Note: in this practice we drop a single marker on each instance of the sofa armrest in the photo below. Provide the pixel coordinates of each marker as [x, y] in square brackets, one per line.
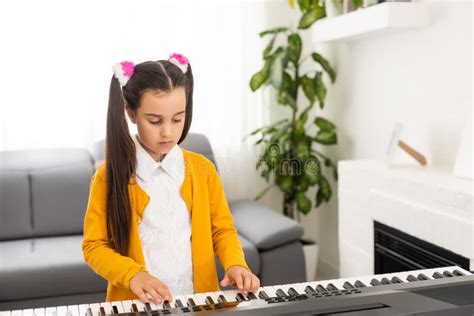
[264, 227]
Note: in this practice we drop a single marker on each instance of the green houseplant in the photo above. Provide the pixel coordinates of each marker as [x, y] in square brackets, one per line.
[289, 158]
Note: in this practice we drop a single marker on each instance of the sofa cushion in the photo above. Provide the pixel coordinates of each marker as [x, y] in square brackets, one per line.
[59, 199]
[42, 267]
[15, 210]
[262, 226]
[46, 189]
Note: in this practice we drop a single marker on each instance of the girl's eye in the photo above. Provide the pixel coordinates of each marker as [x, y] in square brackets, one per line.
[155, 123]
[177, 121]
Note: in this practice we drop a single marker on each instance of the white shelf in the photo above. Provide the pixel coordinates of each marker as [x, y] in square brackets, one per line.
[381, 18]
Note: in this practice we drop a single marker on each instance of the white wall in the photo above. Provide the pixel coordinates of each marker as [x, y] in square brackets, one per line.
[422, 78]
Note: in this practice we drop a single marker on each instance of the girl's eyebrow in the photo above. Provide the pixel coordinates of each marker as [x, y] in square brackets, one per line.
[157, 115]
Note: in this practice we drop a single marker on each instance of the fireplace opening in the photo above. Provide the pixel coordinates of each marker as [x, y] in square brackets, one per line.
[396, 251]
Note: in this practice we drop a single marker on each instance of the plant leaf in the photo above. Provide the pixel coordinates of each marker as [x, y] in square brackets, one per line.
[310, 17]
[268, 49]
[294, 47]
[312, 170]
[326, 137]
[285, 183]
[276, 71]
[320, 88]
[324, 124]
[325, 65]
[308, 88]
[304, 5]
[261, 77]
[303, 203]
[273, 31]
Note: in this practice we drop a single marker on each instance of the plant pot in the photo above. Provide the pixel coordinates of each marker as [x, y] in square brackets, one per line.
[310, 249]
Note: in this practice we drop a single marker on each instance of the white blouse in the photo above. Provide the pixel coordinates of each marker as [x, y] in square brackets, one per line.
[165, 230]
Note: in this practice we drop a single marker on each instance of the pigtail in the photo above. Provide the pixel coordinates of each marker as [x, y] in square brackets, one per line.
[189, 103]
[120, 164]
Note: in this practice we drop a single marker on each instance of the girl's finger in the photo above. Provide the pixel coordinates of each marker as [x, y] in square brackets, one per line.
[238, 281]
[157, 299]
[247, 282]
[164, 292]
[255, 284]
[141, 295]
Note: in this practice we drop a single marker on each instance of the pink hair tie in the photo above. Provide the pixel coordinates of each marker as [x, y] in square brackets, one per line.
[179, 60]
[123, 71]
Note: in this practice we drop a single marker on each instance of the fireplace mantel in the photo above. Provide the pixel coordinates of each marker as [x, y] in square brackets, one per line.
[430, 204]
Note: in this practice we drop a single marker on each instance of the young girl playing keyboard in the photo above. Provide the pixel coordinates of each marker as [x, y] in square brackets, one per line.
[157, 213]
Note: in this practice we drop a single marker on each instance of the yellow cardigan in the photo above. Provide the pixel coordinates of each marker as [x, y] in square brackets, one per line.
[212, 230]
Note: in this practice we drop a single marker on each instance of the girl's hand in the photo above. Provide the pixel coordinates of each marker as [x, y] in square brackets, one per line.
[143, 283]
[245, 280]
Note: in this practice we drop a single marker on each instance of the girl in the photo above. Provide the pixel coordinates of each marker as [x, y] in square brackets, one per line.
[157, 213]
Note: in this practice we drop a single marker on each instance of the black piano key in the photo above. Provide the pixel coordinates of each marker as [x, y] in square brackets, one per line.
[422, 277]
[147, 307]
[209, 300]
[411, 278]
[458, 273]
[375, 282]
[437, 275]
[251, 296]
[167, 305]
[240, 297]
[292, 292]
[396, 279]
[348, 286]
[134, 308]
[321, 289]
[281, 293]
[102, 311]
[263, 295]
[221, 299]
[178, 303]
[359, 284]
[89, 312]
[115, 309]
[331, 287]
[448, 274]
[385, 281]
[191, 302]
[309, 290]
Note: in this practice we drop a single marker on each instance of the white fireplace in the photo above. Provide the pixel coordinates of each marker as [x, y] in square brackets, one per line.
[431, 205]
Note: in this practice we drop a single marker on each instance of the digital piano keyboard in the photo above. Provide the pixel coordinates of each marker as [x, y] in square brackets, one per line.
[440, 291]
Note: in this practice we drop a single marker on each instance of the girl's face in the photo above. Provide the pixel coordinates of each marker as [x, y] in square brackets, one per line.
[160, 121]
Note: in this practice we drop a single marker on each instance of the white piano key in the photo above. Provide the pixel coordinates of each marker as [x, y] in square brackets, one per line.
[38, 312]
[107, 307]
[73, 309]
[5, 313]
[200, 299]
[140, 305]
[181, 298]
[83, 309]
[61, 310]
[19, 312]
[270, 290]
[119, 306]
[230, 295]
[127, 306]
[28, 312]
[95, 307]
[50, 311]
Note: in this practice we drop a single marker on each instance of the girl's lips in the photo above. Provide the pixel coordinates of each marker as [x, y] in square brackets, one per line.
[165, 143]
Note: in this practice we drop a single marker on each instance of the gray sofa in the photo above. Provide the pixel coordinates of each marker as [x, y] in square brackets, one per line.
[43, 197]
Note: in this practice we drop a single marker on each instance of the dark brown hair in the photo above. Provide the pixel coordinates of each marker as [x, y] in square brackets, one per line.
[120, 152]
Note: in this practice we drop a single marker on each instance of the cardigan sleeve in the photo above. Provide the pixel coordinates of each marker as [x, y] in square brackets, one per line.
[98, 254]
[224, 235]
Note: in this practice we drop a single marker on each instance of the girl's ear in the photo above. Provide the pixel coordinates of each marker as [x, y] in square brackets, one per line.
[131, 114]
